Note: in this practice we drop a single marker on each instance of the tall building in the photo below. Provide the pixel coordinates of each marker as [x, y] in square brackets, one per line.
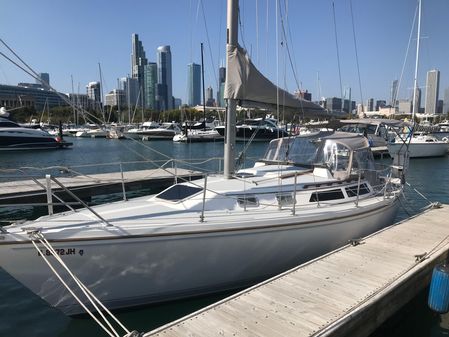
[380, 104]
[150, 80]
[394, 93]
[194, 84]
[334, 104]
[432, 88]
[94, 94]
[164, 94]
[210, 101]
[446, 101]
[138, 63]
[370, 104]
[116, 98]
[177, 103]
[417, 100]
[405, 106]
[130, 87]
[44, 80]
[221, 82]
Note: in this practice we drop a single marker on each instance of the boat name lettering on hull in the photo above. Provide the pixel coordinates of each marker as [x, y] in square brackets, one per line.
[62, 251]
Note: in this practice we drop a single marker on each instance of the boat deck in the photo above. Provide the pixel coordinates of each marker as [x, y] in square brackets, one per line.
[348, 292]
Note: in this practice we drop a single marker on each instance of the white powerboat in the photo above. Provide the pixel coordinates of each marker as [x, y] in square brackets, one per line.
[164, 131]
[376, 130]
[138, 133]
[307, 196]
[198, 136]
[420, 146]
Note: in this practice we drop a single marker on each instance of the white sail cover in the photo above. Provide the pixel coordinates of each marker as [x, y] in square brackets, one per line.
[247, 84]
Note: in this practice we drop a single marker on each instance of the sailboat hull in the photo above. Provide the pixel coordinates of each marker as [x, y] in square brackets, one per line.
[132, 270]
[421, 150]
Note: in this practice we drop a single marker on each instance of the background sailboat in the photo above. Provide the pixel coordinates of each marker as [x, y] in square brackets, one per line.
[418, 145]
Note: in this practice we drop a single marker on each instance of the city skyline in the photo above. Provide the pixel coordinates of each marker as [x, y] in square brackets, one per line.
[381, 35]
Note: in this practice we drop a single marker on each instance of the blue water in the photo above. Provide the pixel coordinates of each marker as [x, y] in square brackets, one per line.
[24, 314]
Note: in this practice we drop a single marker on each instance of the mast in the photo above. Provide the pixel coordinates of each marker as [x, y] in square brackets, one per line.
[204, 92]
[101, 94]
[415, 82]
[73, 103]
[229, 142]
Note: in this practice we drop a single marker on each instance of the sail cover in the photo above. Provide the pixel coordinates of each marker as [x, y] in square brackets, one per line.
[247, 84]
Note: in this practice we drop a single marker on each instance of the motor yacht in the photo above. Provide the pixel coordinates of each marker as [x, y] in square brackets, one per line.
[16, 137]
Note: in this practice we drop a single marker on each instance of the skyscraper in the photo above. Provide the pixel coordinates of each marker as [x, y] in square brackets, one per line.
[394, 93]
[194, 84]
[94, 93]
[221, 82]
[150, 80]
[370, 104]
[44, 79]
[138, 63]
[210, 101]
[164, 94]
[418, 100]
[432, 88]
[130, 87]
[446, 101]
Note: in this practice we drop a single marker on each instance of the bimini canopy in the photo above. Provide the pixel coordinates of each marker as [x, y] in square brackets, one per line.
[352, 141]
[307, 149]
[247, 84]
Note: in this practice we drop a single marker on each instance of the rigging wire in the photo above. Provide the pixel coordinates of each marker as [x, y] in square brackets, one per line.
[287, 47]
[241, 29]
[292, 65]
[208, 42]
[266, 35]
[406, 56]
[338, 56]
[356, 56]
[257, 31]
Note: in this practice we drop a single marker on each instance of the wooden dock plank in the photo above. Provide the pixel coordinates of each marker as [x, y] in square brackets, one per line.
[331, 295]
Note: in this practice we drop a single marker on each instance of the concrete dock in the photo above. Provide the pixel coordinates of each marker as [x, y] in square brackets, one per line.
[348, 292]
[86, 186]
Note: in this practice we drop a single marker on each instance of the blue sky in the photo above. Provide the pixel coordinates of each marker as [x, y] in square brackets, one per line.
[67, 38]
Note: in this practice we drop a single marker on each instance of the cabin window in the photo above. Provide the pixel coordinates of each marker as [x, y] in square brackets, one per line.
[285, 199]
[244, 175]
[178, 192]
[352, 191]
[327, 195]
[248, 201]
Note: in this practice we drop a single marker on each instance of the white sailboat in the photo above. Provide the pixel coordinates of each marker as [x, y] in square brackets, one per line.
[421, 145]
[308, 195]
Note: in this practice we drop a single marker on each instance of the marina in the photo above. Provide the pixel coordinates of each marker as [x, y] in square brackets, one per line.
[285, 216]
[22, 306]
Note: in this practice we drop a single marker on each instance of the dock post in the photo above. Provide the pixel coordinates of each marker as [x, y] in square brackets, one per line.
[204, 198]
[49, 194]
[123, 183]
[294, 195]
